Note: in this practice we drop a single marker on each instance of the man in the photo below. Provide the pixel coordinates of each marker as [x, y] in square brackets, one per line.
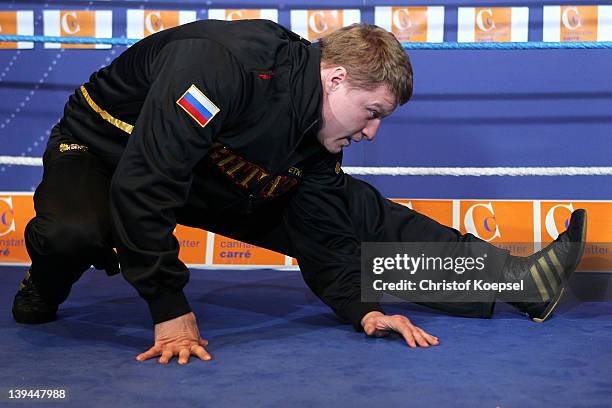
[237, 128]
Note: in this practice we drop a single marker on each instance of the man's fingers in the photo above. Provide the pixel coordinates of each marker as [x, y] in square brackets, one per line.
[433, 340]
[418, 337]
[413, 335]
[203, 342]
[369, 329]
[373, 330]
[166, 356]
[150, 353]
[201, 353]
[184, 356]
[402, 325]
[405, 331]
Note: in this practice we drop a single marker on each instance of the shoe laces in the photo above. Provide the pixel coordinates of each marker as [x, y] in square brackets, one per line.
[28, 294]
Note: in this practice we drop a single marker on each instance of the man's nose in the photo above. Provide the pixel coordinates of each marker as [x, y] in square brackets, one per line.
[371, 128]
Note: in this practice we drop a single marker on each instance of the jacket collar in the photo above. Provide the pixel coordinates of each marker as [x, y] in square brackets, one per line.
[306, 89]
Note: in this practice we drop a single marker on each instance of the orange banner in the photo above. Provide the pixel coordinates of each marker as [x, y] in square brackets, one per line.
[493, 24]
[500, 223]
[554, 219]
[439, 210]
[158, 20]
[323, 22]
[8, 26]
[228, 251]
[242, 14]
[17, 23]
[15, 212]
[192, 242]
[578, 23]
[409, 24]
[514, 225]
[78, 24]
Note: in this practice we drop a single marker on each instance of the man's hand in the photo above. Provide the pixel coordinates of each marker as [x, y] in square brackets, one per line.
[376, 324]
[177, 337]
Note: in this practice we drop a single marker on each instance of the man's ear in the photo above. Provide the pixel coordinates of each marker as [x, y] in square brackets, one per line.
[334, 78]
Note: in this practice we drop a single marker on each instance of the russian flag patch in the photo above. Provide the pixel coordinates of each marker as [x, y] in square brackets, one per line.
[198, 106]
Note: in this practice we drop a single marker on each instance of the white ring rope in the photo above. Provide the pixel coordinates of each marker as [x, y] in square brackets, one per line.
[479, 171]
[21, 161]
[414, 171]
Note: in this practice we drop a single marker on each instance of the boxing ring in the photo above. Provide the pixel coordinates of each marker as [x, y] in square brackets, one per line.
[514, 134]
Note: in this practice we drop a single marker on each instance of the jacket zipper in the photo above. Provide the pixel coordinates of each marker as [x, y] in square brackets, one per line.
[250, 204]
[289, 156]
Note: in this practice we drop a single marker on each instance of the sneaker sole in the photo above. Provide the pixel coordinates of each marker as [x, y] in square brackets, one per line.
[551, 308]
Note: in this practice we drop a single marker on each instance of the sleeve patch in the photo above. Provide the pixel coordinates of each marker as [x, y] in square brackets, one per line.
[198, 106]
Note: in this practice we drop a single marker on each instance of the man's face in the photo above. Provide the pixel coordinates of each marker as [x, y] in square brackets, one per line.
[352, 114]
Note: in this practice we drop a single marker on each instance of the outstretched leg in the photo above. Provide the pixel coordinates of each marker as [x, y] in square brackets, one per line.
[378, 219]
[545, 273]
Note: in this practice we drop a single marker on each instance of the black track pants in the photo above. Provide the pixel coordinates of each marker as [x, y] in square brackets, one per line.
[72, 230]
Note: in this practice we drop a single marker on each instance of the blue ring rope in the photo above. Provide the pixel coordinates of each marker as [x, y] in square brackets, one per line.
[532, 45]
[67, 40]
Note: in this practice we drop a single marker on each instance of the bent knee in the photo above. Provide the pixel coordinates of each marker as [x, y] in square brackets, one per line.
[48, 236]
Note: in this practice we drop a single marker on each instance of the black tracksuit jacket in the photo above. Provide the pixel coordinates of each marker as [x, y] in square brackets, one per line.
[260, 146]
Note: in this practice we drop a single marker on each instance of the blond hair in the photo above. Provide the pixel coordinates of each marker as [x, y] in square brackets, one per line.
[371, 56]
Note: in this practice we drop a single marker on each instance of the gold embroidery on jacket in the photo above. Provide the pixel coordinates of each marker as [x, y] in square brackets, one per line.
[338, 168]
[126, 127]
[249, 177]
[279, 186]
[295, 171]
[241, 171]
[65, 147]
[247, 174]
[273, 187]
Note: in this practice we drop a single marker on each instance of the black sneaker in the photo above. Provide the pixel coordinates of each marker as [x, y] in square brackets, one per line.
[550, 268]
[29, 307]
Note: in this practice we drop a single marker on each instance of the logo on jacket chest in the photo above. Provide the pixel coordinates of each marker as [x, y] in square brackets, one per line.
[249, 175]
